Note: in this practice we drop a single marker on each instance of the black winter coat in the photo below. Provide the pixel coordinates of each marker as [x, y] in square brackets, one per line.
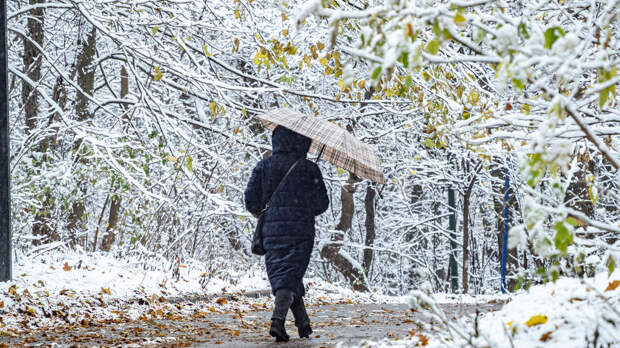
[289, 222]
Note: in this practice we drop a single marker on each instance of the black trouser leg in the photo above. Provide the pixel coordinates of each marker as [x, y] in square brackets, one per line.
[284, 301]
[299, 312]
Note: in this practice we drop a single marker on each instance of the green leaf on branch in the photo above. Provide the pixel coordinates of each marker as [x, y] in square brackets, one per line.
[433, 46]
[572, 221]
[376, 73]
[551, 36]
[429, 143]
[189, 163]
[563, 237]
[436, 28]
[518, 83]
[404, 58]
[408, 82]
[522, 29]
[605, 94]
[611, 265]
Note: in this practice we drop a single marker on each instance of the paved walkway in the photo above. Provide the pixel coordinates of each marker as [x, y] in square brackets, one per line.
[348, 323]
[332, 323]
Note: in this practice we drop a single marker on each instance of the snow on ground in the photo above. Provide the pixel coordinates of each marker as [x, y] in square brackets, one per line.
[66, 288]
[568, 313]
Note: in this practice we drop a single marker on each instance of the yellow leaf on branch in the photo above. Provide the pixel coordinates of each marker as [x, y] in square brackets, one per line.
[158, 74]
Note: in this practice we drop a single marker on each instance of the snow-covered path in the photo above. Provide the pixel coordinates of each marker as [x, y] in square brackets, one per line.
[348, 323]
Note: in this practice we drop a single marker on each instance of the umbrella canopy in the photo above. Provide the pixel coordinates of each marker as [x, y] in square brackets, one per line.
[330, 142]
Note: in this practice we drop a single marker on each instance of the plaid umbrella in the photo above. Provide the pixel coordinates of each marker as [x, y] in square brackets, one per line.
[330, 142]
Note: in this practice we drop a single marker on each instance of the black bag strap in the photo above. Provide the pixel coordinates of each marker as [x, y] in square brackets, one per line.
[280, 185]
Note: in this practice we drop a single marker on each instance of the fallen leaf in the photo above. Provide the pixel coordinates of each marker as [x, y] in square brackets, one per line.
[423, 340]
[106, 290]
[221, 301]
[546, 336]
[613, 285]
[66, 267]
[536, 320]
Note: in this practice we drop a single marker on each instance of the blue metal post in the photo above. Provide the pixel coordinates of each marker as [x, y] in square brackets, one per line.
[505, 234]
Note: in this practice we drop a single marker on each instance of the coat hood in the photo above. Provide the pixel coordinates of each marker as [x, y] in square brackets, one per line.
[285, 140]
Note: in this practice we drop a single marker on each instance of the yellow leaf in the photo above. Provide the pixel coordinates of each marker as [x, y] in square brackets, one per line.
[459, 19]
[154, 30]
[66, 267]
[536, 320]
[284, 17]
[172, 158]
[414, 172]
[212, 107]
[205, 48]
[237, 14]
[323, 61]
[613, 285]
[320, 45]
[361, 84]
[340, 171]
[105, 290]
[285, 32]
[221, 301]
[158, 74]
[510, 323]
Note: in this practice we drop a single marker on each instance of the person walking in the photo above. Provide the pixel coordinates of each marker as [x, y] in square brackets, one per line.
[288, 230]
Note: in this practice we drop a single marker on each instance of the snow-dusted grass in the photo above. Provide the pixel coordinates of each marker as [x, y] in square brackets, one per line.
[568, 313]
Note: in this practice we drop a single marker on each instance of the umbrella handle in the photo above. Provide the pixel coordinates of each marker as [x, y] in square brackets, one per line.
[320, 153]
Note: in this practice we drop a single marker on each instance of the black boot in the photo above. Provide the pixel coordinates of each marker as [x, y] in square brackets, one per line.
[305, 331]
[277, 330]
[283, 301]
[301, 317]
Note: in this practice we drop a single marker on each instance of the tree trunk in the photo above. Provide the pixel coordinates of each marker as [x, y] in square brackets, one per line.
[466, 199]
[369, 204]
[115, 207]
[110, 233]
[86, 81]
[32, 63]
[331, 251]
